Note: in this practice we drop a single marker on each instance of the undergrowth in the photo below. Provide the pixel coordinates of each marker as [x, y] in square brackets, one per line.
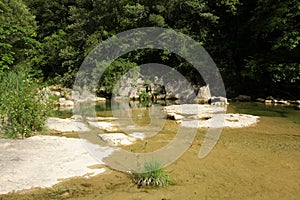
[23, 107]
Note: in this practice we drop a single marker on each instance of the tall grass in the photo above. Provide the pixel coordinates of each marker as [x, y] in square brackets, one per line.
[23, 111]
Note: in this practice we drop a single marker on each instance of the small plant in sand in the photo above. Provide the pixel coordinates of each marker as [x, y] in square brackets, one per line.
[153, 175]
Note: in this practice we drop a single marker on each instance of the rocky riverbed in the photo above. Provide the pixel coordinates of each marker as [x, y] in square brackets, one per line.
[259, 161]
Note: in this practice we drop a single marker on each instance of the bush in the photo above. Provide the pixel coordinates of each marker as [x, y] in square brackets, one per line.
[23, 110]
[144, 95]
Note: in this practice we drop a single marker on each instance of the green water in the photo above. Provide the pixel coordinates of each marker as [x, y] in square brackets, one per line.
[289, 113]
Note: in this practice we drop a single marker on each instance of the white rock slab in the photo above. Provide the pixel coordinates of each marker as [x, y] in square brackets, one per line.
[175, 116]
[230, 120]
[101, 118]
[42, 161]
[137, 135]
[65, 125]
[204, 116]
[194, 109]
[116, 139]
[106, 126]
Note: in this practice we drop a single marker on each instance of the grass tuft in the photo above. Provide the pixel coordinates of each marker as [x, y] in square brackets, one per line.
[153, 175]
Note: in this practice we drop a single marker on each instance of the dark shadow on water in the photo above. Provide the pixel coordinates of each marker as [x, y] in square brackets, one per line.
[289, 113]
[260, 109]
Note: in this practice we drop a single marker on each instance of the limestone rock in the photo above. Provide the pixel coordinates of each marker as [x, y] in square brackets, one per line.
[106, 126]
[230, 121]
[65, 103]
[116, 139]
[284, 102]
[203, 116]
[174, 116]
[260, 100]
[269, 98]
[268, 101]
[101, 118]
[43, 161]
[297, 102]
[194, 109]
[56, 93]
[203, 95]
[86, 96]
[218, 101]
[65, 125]
[243, 98]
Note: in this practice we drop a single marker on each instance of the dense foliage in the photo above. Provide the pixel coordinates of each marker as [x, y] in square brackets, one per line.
[255, 43]
[23, 109]
[17, 32]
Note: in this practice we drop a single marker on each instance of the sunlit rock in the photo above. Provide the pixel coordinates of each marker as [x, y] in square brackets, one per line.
[243, 98]
[116, 139]
[104, 125]
[204, 116]
[65, 103]
[65, 125]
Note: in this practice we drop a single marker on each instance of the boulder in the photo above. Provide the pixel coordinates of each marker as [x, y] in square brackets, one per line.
[180, 89]
[76, 118]
[62, 102]
[174, 116]
[268, 101]
[86, 96]
[283, 102]
[97, 99]
[243, 98]
[218, 101]
[269, 98]
[297, 102]
[56, 93]
[156, 87]
[203, 95]
[260, 100]
[55, 87]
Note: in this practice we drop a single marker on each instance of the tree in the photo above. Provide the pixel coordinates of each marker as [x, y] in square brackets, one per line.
[275, 34]
[17, 34]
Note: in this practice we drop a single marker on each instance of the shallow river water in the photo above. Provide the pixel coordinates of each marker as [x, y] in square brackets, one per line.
[257, 162]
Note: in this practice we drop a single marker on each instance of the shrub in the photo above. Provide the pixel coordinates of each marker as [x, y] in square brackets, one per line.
[23, 110]
[144, 95]
[153, 175]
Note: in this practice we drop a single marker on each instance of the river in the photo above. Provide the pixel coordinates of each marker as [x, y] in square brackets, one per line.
[257, 162]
